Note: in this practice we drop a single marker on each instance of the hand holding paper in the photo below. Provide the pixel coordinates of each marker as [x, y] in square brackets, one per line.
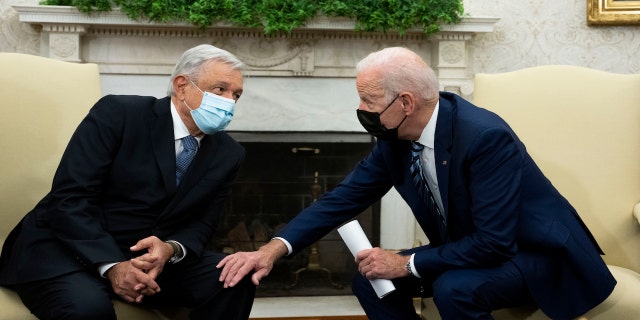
[356, 240]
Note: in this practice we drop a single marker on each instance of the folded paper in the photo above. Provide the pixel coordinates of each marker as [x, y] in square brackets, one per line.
[356, 240]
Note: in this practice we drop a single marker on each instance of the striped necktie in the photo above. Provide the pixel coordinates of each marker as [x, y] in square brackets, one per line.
[183, 159]
[420, 181]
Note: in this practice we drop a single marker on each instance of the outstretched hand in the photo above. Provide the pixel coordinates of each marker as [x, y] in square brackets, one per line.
[236, 266]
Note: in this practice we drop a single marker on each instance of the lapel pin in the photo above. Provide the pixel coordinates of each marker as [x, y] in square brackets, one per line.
[444, 163]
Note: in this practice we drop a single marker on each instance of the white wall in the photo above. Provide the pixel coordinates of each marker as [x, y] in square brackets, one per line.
[538, 32]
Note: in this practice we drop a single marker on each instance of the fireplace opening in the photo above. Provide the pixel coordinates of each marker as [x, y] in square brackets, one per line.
[282, 174]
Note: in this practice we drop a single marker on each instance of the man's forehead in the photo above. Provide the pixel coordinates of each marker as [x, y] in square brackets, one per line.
[369, 85]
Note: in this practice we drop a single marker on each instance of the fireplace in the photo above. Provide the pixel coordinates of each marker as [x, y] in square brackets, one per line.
[284, 173]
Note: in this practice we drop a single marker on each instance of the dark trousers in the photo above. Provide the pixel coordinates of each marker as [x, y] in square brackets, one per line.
[458, 294]
[190, 283]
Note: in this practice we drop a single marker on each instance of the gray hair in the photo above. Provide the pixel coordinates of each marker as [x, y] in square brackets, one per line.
[192, 60]
[403, 70]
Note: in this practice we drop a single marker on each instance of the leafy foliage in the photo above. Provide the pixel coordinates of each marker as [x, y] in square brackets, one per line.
[275, 16]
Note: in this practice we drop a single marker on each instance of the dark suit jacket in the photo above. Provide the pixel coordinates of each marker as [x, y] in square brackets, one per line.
[116, 185]
[499, 207]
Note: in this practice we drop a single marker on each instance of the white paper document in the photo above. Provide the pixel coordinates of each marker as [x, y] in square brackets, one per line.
[356, 240]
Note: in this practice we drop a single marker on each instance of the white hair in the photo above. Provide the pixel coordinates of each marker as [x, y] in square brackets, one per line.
[403, 70]
[192, 60]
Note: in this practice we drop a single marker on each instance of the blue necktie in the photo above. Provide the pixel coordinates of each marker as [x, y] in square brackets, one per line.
[420, 181]
[183, 159]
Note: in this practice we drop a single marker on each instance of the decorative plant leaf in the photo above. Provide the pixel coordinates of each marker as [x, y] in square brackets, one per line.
[276, 16]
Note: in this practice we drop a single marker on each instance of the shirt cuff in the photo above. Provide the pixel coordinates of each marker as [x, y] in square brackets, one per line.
[102, 269]
[413, 266]
[286, 243]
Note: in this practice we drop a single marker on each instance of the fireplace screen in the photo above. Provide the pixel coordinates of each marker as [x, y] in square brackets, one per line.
[278, 180]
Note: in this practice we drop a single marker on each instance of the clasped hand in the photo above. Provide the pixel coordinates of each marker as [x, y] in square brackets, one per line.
[134, 279]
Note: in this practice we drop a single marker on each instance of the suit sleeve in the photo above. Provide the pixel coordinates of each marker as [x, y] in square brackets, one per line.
[366, 184]
[77, 184]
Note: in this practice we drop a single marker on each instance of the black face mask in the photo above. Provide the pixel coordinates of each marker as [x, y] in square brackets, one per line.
[371, 122]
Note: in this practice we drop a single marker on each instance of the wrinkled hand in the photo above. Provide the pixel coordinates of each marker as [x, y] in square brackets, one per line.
[152, 262]
[131, 283]
[238, 265]
[377, 263]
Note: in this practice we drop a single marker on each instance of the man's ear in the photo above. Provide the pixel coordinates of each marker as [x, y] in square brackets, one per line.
[408, 102]
[180, 83]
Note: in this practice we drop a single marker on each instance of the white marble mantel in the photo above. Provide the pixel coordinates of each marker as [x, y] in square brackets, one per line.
[300, 82]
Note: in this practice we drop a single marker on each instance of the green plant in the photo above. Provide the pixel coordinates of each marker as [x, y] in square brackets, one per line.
[275, 16]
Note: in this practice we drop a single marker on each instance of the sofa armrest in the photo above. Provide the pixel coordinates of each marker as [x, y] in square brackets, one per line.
[636, 212]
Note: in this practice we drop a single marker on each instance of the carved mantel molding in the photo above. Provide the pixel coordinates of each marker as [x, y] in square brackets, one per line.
[324, 47]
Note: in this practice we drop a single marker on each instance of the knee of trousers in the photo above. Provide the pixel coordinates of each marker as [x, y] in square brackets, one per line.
[93, 309]
[361, 286]
[246, 284]
[450, 289]
[243, 288]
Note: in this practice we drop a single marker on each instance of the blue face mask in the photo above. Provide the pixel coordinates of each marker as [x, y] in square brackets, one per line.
[214, 114]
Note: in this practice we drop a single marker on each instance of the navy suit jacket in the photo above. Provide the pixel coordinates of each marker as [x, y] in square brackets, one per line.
[499, 207]
[116, 185]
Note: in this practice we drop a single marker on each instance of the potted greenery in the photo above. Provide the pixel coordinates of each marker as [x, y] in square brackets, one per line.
[275, 16]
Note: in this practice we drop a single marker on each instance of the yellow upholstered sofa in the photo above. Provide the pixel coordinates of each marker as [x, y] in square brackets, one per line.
[582, 126]
[43, 100]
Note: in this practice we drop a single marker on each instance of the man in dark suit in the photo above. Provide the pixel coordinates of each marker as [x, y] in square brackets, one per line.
[500, 234]
[124, 217]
